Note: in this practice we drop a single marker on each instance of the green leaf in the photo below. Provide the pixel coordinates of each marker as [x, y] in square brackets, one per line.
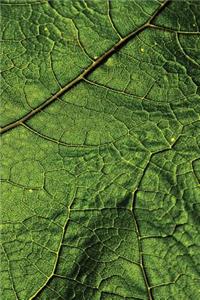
[100, 149]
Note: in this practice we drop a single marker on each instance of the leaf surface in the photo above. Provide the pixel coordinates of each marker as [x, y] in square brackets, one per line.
[100, 150]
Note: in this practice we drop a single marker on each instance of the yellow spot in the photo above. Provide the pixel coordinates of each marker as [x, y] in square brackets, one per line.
[142, 49]
[193, 25]
[45, 28]
[30, 191]
[95, 57]
[110, 62]
[172, 139]
[155, 43]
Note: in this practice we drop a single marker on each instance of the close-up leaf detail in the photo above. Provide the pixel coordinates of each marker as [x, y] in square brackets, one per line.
[100, 149]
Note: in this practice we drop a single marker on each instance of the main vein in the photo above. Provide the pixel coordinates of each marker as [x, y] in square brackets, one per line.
[86, 72]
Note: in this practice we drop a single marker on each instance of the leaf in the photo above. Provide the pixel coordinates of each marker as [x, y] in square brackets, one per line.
[100, 150]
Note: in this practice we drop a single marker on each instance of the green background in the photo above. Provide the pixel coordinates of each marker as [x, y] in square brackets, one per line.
[100, 189]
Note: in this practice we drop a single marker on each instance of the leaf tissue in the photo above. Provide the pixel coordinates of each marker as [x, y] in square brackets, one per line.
[100, 148]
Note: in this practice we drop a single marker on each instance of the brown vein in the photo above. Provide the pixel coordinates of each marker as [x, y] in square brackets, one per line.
[85, 73]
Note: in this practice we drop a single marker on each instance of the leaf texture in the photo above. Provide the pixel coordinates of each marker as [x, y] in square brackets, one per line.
[100, 150]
